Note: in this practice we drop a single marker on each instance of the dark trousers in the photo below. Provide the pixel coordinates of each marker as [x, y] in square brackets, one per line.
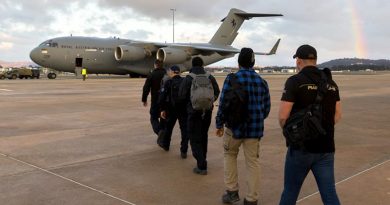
[198, 127]
[174, 114]
[157, 123]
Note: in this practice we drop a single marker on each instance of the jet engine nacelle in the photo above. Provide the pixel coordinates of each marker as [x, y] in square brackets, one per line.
[172, 55]
[129, 53]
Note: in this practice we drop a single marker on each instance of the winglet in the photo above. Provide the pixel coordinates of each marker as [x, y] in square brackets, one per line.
[272, 51]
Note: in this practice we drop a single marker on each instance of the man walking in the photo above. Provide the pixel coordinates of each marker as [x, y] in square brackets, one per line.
[173, 109]
[153, 85]
[199, 90]
[248, 131]
[84, 73]
[317, 155]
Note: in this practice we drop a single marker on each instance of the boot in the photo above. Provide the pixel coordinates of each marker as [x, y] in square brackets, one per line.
[250, 202]
[230, 197]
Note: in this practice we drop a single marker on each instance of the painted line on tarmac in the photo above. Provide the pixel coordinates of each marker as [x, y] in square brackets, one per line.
[5, 90]
[346, 179]
[67, 179]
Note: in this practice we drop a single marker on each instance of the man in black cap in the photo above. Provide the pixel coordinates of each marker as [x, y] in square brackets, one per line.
[317, 154]
[172, 109]
[246, 132]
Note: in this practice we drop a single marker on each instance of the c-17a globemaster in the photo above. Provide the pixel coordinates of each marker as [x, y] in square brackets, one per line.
[124, 56]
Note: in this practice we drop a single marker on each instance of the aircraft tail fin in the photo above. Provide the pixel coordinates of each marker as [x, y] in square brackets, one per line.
[228, 30]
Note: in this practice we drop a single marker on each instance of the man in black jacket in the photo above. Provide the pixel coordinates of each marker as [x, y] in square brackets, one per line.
[198, 121]
[173, 109]
[153, 85]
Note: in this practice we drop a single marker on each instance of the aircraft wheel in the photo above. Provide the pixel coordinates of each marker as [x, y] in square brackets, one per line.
[51, 76]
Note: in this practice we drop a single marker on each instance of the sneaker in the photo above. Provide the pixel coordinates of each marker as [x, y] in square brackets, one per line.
[230, 197]
[196, 170]
[250, 202]
[183, 155]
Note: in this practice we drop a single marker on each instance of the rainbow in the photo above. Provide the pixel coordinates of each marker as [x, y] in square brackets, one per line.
[360, 44]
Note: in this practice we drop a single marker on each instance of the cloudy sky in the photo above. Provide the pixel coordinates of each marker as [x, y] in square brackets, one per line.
[337, 28]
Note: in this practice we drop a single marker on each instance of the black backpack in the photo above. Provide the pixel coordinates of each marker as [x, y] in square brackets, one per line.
[306, 124]
[174, 92]
[235, 104]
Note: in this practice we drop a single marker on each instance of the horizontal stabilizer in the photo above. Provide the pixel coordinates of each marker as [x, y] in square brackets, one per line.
[250, 15]
[272, 51]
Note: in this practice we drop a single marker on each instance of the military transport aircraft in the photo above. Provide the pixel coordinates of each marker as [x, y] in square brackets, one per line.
[123, 56]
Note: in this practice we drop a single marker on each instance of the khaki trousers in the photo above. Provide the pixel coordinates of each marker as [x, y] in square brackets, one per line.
[251, 152]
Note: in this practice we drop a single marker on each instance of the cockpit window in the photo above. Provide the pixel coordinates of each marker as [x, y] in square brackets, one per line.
[49, 43]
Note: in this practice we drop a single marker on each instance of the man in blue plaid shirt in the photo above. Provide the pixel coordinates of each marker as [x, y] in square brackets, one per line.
[247, 133]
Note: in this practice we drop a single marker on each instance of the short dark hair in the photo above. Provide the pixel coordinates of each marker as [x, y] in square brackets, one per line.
[197, 62]
[158, 62]
[246, 58]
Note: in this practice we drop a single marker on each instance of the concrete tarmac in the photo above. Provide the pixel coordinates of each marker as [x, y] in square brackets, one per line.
[66, 141]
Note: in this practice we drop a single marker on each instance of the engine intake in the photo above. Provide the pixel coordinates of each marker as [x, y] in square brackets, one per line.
[129, 53]
[172, 55]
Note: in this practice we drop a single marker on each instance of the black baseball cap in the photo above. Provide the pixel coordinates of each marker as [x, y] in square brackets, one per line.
[175, 69]
[306, 52]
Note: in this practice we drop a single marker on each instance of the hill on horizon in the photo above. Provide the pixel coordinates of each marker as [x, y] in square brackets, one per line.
[381, 64]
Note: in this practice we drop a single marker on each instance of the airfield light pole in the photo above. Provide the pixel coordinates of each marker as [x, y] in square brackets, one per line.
[173, 25]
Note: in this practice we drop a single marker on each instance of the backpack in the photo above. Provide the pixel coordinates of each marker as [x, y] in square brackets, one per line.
[306, 124]
[235, 103]
[174, 92]
[202, 92]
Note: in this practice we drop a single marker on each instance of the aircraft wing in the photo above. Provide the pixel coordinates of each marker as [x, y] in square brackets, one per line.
[173, 53]
[193, 49]
[227, 50]
[209, 49]
[272, 51]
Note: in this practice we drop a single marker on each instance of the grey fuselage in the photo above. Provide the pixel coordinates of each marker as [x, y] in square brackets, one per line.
[97, 55]
[124, 56]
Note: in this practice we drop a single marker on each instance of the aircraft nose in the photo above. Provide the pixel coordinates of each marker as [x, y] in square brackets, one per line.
[34, 55]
